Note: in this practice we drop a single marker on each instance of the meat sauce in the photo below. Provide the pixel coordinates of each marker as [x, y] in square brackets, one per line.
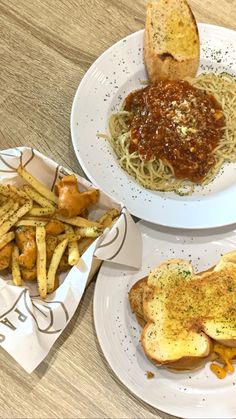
[177, 123]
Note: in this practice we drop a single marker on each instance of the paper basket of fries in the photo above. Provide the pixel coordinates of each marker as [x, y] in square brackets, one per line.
[55, 231]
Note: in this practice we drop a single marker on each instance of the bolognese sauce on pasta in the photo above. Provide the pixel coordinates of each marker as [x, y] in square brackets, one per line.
[175, 134]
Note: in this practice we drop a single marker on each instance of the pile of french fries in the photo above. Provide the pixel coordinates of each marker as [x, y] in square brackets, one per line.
[36, 206]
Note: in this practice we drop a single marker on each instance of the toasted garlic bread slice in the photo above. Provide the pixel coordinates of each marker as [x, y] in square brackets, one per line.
[167, 337]
[184, 312]
[171, 43]
[136, 300]
[136, 295]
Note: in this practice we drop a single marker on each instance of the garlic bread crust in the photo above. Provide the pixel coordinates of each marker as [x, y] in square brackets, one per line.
[171, 40]
[183, 313]
[136, 300]
[169, 336]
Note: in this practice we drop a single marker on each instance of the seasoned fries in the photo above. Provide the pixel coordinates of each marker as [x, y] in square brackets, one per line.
[78, 221]
[39, 199]
[6, 238]
[41, 212]
[90, 231]
[41, 261]
[57, 255]
[37, 242]
[109, 217]
[9, 191]
[5, 227]
[29, 222]
[9, 213]
[73, 249]
[84, 244]
[70, 236]
[6, 207]
[40, 188]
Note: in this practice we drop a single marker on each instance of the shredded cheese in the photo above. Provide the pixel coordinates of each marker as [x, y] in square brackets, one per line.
[225, 356]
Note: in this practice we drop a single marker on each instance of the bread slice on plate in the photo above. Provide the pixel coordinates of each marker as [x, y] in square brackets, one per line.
[171, 44]
[185, 313]
[136, 300]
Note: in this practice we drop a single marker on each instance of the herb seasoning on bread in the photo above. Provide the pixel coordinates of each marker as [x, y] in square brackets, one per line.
[171, 46]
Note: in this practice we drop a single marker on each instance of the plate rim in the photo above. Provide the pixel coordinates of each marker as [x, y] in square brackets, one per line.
[135, 211]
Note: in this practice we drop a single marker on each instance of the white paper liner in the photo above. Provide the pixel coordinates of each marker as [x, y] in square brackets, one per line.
[29, 325]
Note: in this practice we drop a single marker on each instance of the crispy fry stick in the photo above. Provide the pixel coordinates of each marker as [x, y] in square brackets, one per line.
[84, 243]
[40, 212]
[6, 238]
[56, 284]
[36, 184]
[16, 275]
[6, 207]
[57, 255]
[41, 261]
[5, 227]
[107, 218]
[77, 221]
[4, 190]
[9, 213]
[73, 253]
[10, 191]
[3, 199]
[17, 193]
[70, 236]
[29, 222]
[73, 249]
[35, 196]
[89, 231]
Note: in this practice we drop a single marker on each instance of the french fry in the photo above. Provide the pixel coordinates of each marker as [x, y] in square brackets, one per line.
[5, 227]
[75, 234]
[6, 238]
[73, 249]
[70, 236]
[36, 184]
[113, 221]
[16, 274]
[41, 261]
[57, 255]
[56, 283]
[41, 212]
[11, 192]
[107, 219]
[9, 213]
[6, 207]
[17, 194]
[29, 222]
[73, 253]
[3, 200]
[4, 190]
[84, 243]
[77, 221]
[90, 231]
[36, 197]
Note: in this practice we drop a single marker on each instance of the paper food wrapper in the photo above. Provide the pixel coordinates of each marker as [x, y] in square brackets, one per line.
[29, 325]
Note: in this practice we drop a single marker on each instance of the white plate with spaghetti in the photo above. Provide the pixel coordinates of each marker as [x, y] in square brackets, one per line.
[116, 73]
[196, 394]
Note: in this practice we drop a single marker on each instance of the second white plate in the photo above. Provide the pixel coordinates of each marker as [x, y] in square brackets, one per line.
[199, 394]
[113, 75]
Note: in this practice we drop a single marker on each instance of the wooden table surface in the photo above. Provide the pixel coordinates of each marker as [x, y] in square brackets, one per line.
[46, 46]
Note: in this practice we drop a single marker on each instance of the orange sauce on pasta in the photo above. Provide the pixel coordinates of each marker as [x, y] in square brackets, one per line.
[177, 123]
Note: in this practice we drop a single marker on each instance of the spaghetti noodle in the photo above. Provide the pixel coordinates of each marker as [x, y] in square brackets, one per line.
[217, 140]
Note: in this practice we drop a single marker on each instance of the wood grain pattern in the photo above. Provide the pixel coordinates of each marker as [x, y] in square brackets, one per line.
[45, 48]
